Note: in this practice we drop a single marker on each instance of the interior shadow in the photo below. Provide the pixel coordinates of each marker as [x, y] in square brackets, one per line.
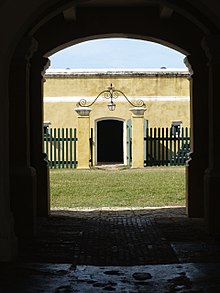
[109, 141]
[115, 237]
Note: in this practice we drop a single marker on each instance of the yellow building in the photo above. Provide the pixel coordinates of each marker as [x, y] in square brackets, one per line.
[164, 92]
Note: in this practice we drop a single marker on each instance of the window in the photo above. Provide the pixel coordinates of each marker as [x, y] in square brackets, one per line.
[46, 126]
[176, 127]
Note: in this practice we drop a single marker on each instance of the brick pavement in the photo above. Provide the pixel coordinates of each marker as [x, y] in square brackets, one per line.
[120, 237]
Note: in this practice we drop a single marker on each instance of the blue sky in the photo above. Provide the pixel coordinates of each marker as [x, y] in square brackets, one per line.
[117, 53]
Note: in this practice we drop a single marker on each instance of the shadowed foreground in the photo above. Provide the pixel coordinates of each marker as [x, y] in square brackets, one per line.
[120, 237]
[148, 250]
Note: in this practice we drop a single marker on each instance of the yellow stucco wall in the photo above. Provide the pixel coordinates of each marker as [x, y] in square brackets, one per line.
[165, 93]
[131, 85]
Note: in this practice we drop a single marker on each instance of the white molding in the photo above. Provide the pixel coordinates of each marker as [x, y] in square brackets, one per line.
[76, 99]
[69, 72]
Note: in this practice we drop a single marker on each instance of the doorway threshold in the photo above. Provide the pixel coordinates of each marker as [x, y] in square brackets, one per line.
[111, 166]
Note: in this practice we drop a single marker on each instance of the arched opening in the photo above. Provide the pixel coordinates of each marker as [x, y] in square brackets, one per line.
[166, 34]
[110, 142]
[112, 137]
[128, 35]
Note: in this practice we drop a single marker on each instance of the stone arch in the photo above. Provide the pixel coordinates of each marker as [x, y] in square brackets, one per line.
[53, 32]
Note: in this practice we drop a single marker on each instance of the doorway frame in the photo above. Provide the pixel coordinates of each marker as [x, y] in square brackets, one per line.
[124, 137]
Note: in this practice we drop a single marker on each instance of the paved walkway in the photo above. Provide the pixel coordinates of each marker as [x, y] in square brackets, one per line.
[129, 236]
[123, 251]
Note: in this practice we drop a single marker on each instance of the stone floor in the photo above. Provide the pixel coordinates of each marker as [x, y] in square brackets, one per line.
[120, 237]
[67, 278]
[120, 250]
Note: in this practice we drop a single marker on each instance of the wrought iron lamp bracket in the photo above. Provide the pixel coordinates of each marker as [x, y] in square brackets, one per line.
[111, 93]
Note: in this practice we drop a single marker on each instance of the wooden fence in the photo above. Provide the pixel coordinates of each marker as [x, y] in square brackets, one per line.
[165, 147]
[60, 147]
[162, 147]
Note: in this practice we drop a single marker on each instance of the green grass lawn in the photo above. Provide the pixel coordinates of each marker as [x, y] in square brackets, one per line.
[153, 186]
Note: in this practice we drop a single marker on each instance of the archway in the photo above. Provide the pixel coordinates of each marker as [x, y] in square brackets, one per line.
[110, 141]
[149, 24]
[159, 30]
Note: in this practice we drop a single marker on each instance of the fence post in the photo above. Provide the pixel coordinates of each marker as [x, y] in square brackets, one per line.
[91, 146]
[129, 142]
[74, 154]
[83, 149]
[138, 137]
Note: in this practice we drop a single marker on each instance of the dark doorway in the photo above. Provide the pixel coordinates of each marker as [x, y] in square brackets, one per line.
[110, 141]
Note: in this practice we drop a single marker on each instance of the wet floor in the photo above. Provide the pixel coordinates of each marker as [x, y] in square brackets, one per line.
[57, 278]
[122, 250]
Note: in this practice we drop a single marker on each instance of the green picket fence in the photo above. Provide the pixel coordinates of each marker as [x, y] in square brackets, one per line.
[162, 147]
[166, 147]
[60, 147]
